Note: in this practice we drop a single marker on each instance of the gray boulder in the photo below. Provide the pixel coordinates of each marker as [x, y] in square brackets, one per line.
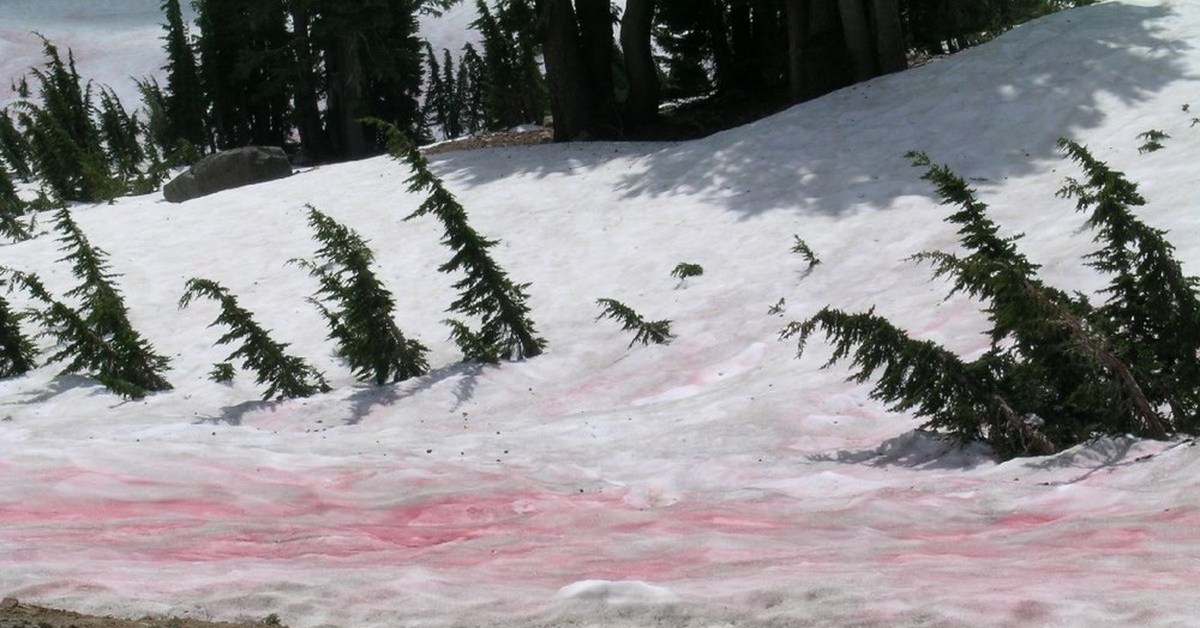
[229, 169]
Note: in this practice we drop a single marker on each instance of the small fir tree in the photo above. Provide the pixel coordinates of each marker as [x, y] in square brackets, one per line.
[98, 338]
[64, 144]
[469, 87]
[454, 105]
[1059, 370]
[645, 332]
[1152, 141]
[120, 132]
[435, 110]
[358, 308]
[285, 376]
[686, 270]
[485, 291]
[122, 362]
[801, 248]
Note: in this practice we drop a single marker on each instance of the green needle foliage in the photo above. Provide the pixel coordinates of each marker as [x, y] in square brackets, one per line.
[121, 361]
[801, 248]
[16, 350]
[486, 291]
[686, 270]
[12, 208]
[284, 375]
[96, 339]
[645, 332]
[358, 308]
[1152, 140]
[1152, 314]
[1059, 370]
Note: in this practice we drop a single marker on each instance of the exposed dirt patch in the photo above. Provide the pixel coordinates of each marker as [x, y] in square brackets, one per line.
[493, 140]
[20, 615]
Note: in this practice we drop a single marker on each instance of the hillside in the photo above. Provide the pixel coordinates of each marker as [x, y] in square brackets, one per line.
[713, 481]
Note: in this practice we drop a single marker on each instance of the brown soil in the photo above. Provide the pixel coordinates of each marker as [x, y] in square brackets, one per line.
[14, 614]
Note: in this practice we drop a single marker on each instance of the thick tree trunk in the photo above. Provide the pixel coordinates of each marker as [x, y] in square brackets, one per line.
[644, 89]
[857, 31]
[596, 41]
[345, 96]
[313, 140]
[890, 53]
[796, 13]
[566, 74]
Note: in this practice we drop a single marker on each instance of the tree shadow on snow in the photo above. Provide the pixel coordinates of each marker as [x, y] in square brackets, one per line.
[918, 449]
[1015, 96]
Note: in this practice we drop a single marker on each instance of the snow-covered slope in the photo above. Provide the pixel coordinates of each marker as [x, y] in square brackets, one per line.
[715, 481]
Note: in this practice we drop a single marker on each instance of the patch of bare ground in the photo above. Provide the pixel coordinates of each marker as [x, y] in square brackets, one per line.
[14, 614]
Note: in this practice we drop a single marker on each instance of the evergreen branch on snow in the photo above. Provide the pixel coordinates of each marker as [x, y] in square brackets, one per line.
[801, 248]
[687, 270]
[486, 291]
[284, 375]
[120, 360]
[645, 332]
[358, 308]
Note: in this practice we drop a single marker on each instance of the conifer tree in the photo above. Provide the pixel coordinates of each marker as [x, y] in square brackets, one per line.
[97, 339]
[435, 110]
[16, 350]
[450, 90]
[64, 144]
[645, 332]
[358, 308]
[285, 376]
[122, 362]
[514, 90]
[120, 132]
[469, 87]
[184, 98]
[1059, 370]
[1152, 315]
[485, 291]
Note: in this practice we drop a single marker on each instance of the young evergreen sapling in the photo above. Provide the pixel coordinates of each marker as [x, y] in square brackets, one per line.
[357, 306]
[645, 332]
[485, 291]
[1152, 141]
[285, 376]
[801, 248]
[686, 270]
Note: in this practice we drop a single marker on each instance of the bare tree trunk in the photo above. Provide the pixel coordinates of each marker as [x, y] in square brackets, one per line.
[890, 53]
[796, 12]
[596, 41]
[345, 96]
[857, 32]
[566, 75]
[308, 112]
[644, 88]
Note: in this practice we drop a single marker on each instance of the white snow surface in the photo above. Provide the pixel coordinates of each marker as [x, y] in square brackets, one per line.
[714, 481]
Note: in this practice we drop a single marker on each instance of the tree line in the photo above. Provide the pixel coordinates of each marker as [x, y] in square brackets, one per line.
[305, 74]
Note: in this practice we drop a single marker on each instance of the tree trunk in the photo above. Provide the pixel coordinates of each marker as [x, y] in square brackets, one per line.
[644, 89]
[857, 32]
[345, 96]
[308, 113]
[566, 74]
[596, 41]
[891, 55]
[796, 13]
